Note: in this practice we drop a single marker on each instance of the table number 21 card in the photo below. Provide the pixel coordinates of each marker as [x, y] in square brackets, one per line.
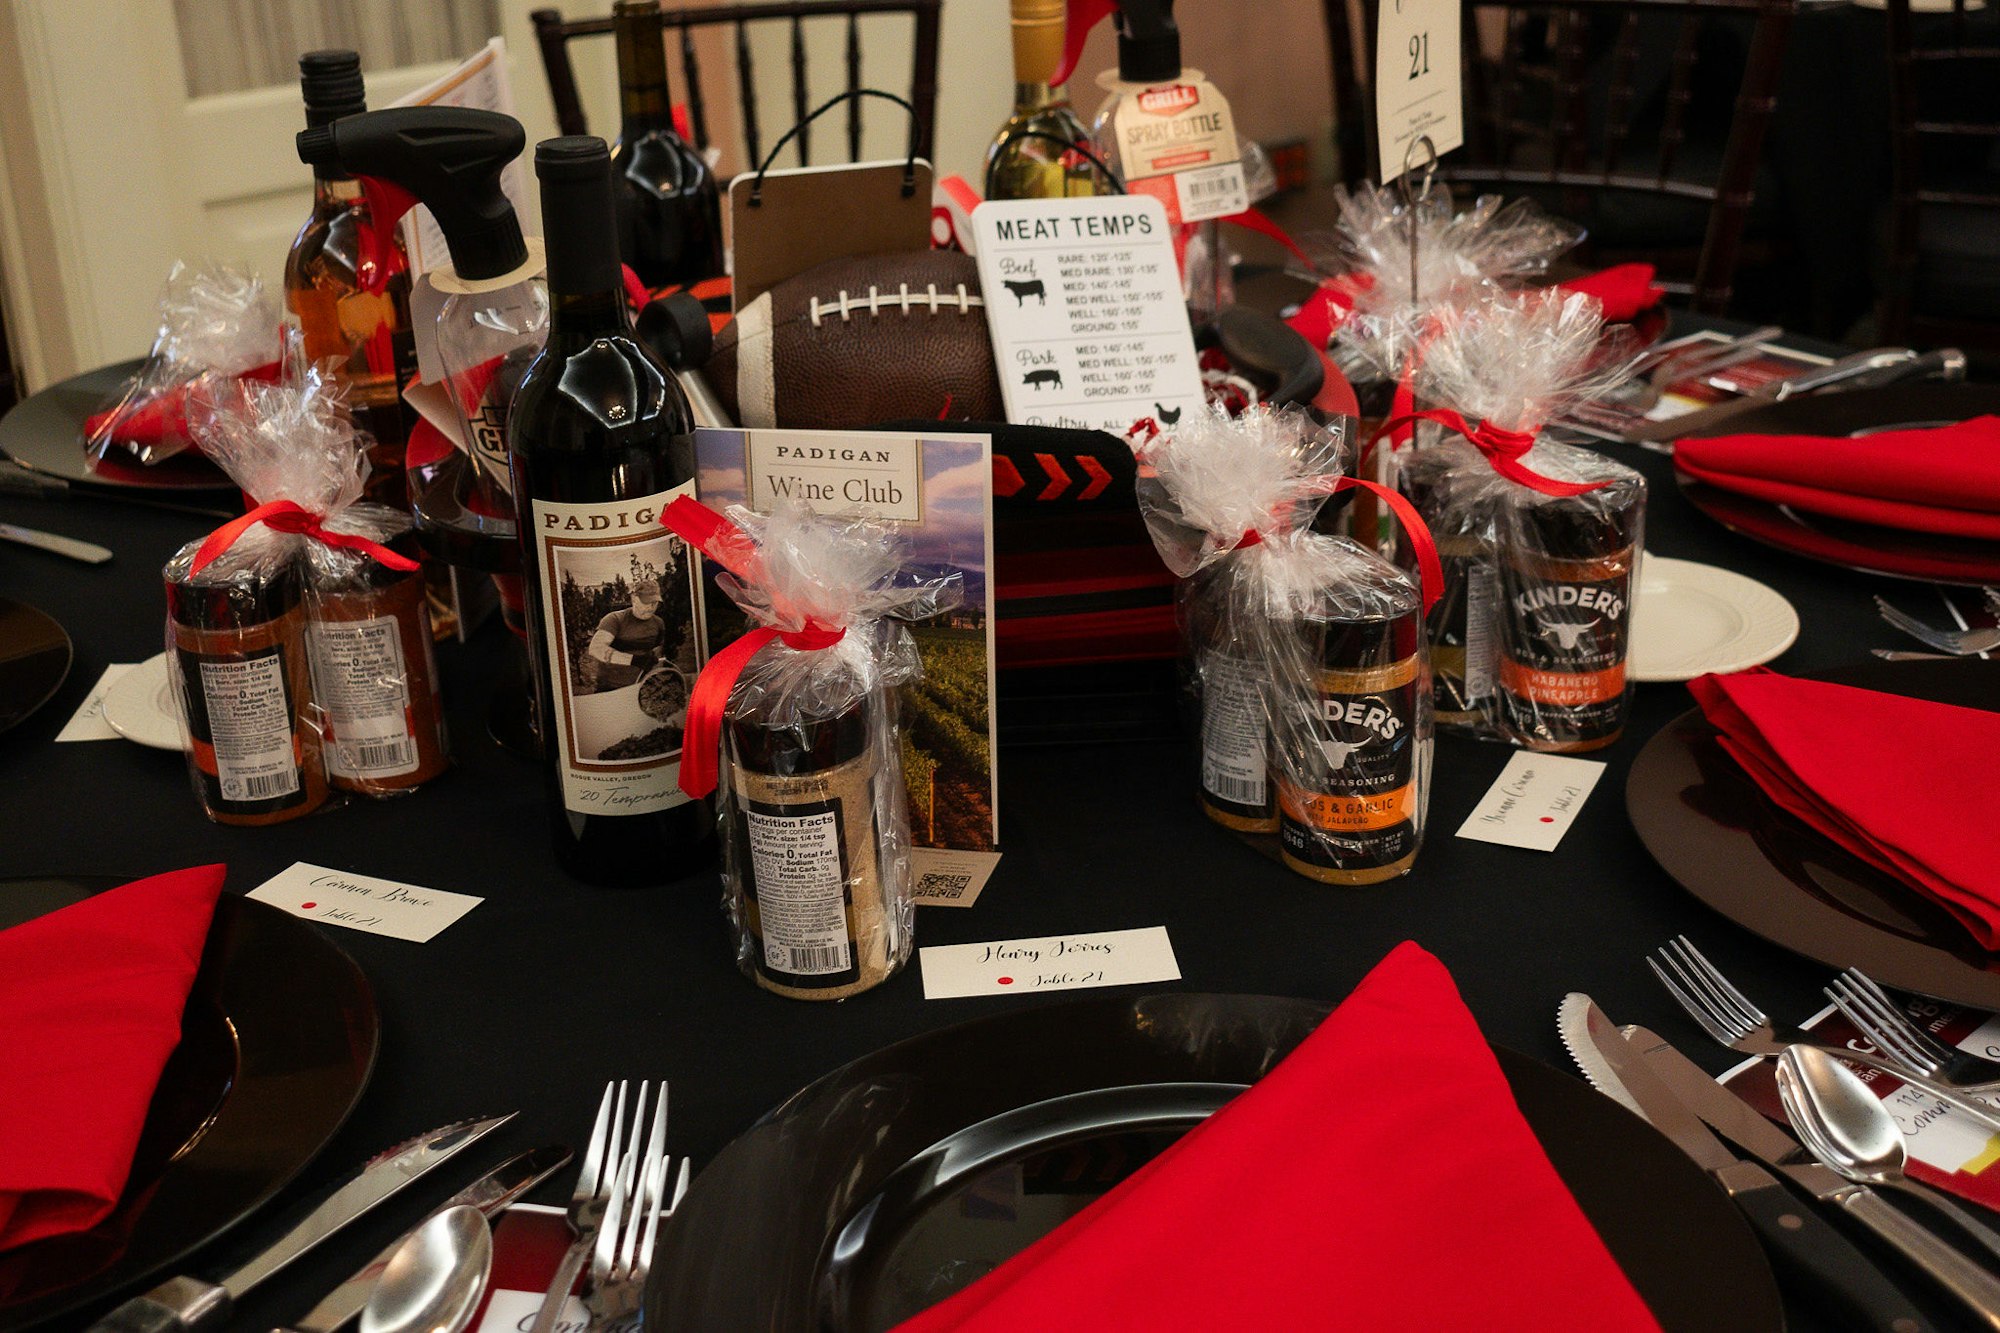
[1417, 82]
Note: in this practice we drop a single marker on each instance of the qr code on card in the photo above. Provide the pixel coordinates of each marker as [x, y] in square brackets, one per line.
[937, 884]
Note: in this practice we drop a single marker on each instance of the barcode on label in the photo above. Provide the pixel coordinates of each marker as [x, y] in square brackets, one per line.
[387, 754]
[260, 788]
[1209, 189]
[937, 884]
[1243, 791]
[807, 962]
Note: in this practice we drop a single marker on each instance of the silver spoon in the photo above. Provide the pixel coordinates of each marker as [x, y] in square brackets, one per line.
[1847, 1127]
[434, 1281]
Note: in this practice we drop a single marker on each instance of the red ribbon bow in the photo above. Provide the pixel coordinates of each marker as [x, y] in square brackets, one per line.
[1503, 448]
[729, 546]
[285, 516]
[1430, 569]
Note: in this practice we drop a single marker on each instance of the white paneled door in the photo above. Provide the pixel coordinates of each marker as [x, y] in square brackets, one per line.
[137, 132]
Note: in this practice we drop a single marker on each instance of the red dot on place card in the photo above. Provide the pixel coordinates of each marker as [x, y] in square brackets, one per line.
[305, 906]
[1006, 981]
[1548, 819]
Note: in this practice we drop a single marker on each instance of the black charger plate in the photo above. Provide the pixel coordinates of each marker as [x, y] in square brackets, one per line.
[1708, 825]
[35, 654]
[44, 433]
[1891, 552]
[874, 1192]
[277, 1042]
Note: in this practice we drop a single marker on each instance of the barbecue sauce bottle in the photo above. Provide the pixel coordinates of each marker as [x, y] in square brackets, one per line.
[329, 273]
[601, 441]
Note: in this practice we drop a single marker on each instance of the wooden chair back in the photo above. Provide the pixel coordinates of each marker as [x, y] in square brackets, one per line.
[1934, 51]
[1553, 97]
[554, 33]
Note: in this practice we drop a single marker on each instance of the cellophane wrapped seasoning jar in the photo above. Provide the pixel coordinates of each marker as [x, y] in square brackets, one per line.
[1540, 538]
[814, 812]
[344, 568]
[1305, 650]
[236, 656]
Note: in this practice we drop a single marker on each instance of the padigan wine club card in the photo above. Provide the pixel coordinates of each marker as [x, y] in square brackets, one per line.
[939, 490]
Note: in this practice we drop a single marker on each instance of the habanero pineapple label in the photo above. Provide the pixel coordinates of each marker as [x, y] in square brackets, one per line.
[624, 643]
[1177, 142]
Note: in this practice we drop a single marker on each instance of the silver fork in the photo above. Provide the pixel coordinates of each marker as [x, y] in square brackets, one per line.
[591, 1199]
[624, 1250]
[1883, 1021]
[1727, 1015]
[1958, 642]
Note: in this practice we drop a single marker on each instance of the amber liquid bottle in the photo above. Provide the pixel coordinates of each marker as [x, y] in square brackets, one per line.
[601, 440]
[366, 334]
[669, 207]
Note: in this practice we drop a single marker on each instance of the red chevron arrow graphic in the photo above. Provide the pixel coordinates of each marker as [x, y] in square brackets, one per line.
[1006, 477]
[1058, 479]
[1099, 478]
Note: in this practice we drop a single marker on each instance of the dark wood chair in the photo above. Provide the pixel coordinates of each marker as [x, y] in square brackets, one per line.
[1628, 116]
[1943, 279]
[554, 34]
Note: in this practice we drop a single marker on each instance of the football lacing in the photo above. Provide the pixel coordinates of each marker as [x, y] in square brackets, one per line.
[903, 299]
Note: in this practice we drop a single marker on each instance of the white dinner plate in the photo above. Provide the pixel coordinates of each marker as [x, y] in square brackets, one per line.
[1690, 619]
[141, 707]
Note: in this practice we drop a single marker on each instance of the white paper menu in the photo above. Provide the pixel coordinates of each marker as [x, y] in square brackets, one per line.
[1083, 300]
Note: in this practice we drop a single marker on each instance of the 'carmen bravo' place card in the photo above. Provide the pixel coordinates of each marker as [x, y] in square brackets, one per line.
[362, 902]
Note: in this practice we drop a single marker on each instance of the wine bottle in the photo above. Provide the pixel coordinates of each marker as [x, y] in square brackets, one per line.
[328, 280]
[669, 209]
[602, 439]
[1021, 163]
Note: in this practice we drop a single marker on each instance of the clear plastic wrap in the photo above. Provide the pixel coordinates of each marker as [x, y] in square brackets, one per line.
[328, 580]
[814, 814]
[1305, 652]
[1540, 540]
[217, 324]
[1461, 258]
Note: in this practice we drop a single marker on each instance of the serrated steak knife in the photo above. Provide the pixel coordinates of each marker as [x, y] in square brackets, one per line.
[190, 1305]
[1832, 1270]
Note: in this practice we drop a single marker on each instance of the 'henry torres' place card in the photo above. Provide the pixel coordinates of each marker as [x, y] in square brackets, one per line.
[938, 489]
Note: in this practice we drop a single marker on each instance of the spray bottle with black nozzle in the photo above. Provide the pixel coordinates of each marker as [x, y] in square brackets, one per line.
[496, 312]
[1167, 132]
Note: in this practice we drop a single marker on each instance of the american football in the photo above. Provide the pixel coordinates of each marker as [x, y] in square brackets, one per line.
[854, 342]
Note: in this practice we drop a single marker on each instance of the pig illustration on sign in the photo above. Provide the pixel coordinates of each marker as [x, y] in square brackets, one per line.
[1037, 378]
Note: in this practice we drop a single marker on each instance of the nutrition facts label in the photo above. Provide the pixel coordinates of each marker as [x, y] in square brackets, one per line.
[1083, 299]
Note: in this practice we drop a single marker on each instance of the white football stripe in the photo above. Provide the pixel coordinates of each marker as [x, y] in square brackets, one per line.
[756, 391]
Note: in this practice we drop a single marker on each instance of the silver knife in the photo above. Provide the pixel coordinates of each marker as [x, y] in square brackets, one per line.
[188, 1304]
[1746, 1127]
[88, 552]
[1829, 1267]
[490, 1194]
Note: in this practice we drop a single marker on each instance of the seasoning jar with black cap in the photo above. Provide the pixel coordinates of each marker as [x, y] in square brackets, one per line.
[236, 647]
[1449, 483]
[797, 724]
[1566, 579]
[1351, 716]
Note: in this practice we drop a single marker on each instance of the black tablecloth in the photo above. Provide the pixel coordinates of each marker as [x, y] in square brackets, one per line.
[549, 988]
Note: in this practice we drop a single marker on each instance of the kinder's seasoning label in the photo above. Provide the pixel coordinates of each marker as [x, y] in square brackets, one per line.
[1351, 791]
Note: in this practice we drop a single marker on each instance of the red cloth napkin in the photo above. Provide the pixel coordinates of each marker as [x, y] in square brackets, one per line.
[1907, 785]
[1943, 479]
[90, 1008]
[1624, 290]
[1380, 1177]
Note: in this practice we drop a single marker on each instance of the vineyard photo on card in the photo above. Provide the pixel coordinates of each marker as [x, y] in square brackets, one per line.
[938, 490]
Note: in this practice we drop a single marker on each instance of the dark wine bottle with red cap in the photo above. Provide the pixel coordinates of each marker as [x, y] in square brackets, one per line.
[602, 439]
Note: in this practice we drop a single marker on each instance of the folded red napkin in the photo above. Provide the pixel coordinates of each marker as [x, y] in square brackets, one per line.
[1624, 290]
[1942, 479]
[1907, 785]
[1380, 1177]
[90, 1008]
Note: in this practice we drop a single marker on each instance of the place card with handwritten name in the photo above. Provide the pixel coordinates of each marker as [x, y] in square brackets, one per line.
[1053, 962]
[1533, 801]
[362, 902]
